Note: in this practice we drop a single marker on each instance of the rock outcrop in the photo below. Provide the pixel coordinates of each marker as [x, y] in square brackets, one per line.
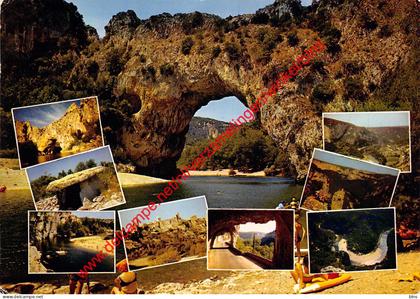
[180, 237]
[40, 27]
[95, 188]
[388, 146]
[332, 187]
[78, 129]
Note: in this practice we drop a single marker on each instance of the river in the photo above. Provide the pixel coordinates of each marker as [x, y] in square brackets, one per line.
[221, 192]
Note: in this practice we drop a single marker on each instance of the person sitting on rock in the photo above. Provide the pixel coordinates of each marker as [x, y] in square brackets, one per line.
[77, 281]
[126, 283]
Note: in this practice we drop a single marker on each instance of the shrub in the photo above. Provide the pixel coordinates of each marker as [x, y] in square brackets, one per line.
[260, 18]
[149, 73]
[216, 52]
[166, 69]
[292, 39]
[354, 89]
[333, 48]
[323, 92]
[368, 23]
[353, 67]
[192, 21]
[232, 50]
[385, 31]
[186, 45]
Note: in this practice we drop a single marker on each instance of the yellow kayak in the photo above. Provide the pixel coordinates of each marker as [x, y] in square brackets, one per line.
[322, 285]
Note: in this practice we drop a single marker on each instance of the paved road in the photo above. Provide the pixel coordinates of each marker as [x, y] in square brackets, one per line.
[223, 258]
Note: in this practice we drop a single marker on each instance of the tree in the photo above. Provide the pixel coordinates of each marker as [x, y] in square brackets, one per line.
[90, 163]
[62, 174]
[80, 166]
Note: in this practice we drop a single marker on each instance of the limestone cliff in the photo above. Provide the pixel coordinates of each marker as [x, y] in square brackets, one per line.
[77, 129]
[153, 75]
[177, 236]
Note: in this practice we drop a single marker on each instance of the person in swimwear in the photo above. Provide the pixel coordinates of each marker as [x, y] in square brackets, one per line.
[301, 275]
[126, 283]
[77, 281]
[299, 234]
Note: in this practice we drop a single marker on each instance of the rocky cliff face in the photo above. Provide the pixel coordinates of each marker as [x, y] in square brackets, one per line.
[204, 128]
[158, 72]
[37, 27]
[185, 237]
[78, 128]
[43, 227]
[385, 145]
[333, 187]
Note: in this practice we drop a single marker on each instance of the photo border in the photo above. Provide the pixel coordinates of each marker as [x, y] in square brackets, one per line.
[51, 103]
[58, 273]
[158, 204]
[375, 112]
[352, 210]
[253, 270]
[52, 161]
[352, 158]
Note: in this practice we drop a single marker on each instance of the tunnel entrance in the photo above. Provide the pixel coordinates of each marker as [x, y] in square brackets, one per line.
[272, 227]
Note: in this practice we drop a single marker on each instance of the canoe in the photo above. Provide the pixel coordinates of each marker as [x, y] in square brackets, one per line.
[319, 286]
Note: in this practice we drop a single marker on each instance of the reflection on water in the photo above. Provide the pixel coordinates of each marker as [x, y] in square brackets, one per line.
[73, 258]
[226, 192]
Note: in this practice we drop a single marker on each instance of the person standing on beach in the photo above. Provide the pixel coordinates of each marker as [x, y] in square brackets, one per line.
[299, 234]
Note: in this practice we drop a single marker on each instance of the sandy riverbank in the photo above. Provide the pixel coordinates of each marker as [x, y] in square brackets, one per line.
[224, 172]
[94, 243]
[130, 180]
[252, 282]
[11, 176]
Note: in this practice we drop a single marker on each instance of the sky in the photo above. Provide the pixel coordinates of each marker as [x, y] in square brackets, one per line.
[56, 166]
[97, 13]
[372, 119]
[224, 109]
[186, 208]
[42, 115]
[98, 214]
[352, 163]
[266, 228]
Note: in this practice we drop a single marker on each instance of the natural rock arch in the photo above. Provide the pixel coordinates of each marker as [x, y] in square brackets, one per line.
[170, 72]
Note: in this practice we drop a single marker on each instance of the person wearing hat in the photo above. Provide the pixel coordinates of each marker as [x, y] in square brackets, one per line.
[125, 283]
[294, 203]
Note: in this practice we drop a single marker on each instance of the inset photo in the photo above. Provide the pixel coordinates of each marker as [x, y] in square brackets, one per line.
[166, 233]
[86, 181]
[353, 240]
[50, 131]
[336, 182]
[250, 239]
[69, 242]
[378, 137]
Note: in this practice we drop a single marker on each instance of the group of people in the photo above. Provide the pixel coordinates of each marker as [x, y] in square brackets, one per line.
[125, 283]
